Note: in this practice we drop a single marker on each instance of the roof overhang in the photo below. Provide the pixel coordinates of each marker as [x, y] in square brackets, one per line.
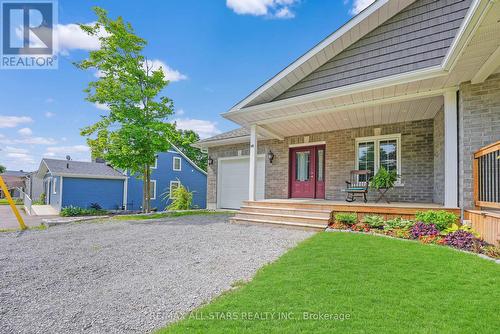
[83, 176]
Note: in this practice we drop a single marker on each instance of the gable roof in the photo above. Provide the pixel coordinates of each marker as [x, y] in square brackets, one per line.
[418, 37]
[82, 169]
[187, 158]
[370, 18]
[466, 13]
[236, 133]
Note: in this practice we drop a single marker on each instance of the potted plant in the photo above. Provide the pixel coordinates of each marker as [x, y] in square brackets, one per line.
[383, 181]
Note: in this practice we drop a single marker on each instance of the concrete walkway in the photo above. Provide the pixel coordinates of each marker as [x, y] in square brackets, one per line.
[9, 221]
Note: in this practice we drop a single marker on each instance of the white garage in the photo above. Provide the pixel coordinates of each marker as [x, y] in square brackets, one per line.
[232, 181]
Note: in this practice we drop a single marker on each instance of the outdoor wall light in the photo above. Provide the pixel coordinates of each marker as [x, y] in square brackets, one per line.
[210, 161]
[270, 156]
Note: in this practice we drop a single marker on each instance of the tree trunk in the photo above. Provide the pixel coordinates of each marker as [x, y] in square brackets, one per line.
[148, 189]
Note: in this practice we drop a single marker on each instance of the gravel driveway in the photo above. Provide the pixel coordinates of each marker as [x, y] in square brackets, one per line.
[126, 276]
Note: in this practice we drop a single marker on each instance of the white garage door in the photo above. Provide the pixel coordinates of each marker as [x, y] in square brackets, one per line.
[233, 181]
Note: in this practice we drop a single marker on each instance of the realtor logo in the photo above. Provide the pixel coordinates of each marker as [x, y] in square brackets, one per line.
[28, 35]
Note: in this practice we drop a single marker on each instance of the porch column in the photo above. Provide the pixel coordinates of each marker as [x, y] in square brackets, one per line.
[253, 162]
[450, 149]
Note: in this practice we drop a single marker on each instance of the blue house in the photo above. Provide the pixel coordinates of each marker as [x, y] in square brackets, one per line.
[77, 183]
[171, 169]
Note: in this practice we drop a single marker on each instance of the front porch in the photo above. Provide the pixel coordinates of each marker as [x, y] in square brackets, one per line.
[316, 213]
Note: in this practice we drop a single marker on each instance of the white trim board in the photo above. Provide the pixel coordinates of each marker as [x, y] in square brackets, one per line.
[314, 143]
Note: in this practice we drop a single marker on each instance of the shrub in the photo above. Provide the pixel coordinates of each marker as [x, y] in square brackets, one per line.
[95, 206]
[346, 218]
[181, 197]
[403, 233]
[455, 227]
[74, 211]
[374, 221]
[384, 179]
[442, 219]
[361, 227]
[421, 229]
[398, 223]
[431, 239]
[463, 240]
[491, 251]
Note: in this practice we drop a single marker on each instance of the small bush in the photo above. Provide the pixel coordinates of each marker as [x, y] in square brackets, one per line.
[374, 221]
[421, 229]
[398, 223]
[442, 219]
[462, 240]
[491, 251]
[181, 197]
[73, 211]
[346, 218]
[456, 227]
[95, 206]
[361, 227]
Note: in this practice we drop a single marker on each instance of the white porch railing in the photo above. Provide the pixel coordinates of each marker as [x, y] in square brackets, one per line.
[26, 201]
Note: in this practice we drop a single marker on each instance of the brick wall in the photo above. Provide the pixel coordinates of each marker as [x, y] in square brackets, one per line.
[417, 161]
[479, 125]
[438, 196]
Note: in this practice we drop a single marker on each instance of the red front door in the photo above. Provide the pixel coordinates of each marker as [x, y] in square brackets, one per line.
[307, 172]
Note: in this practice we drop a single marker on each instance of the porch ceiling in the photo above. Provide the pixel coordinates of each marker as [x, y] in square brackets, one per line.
[359, 117]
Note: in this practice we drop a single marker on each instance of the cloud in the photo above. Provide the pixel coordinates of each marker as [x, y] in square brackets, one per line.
[204, 128]
[28, 141]
[71, 37]
[101, 106]
[170, 74]
[359, 5]
[271, 8]
[25, 132]
[13, 121]
[77, 152]
[49, 100]
[180, 112]
[17, 158]
[49, 114]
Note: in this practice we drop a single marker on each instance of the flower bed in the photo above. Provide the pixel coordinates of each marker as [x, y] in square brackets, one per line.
[430, 227]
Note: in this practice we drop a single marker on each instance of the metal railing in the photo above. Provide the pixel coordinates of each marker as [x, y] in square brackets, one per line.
[486, 176]
[26, 201]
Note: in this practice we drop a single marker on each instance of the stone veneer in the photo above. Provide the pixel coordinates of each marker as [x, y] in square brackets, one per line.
[479, 125]
[417, 161]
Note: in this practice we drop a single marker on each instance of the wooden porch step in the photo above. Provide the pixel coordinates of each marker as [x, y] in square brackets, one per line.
[273, 217]
[294, 205]
[287, 211]
[237, 220]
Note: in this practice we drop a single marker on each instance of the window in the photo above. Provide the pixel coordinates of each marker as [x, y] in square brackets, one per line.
[302, 164]
[156, 164]
[152, 189]
[380, 151]
[321, 163]
[54, 185]
[173, 185]
[177, 164]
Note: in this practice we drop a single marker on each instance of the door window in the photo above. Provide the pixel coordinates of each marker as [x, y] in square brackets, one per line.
[302, 161]
[321, 167]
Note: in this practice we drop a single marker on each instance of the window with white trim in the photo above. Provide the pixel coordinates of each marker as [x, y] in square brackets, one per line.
[152, 189]
[173, 185]
[155, 166]
[54, 185]
[378, 151]
[177, 164]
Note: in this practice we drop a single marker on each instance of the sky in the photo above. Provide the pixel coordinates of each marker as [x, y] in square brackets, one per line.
[214, 52]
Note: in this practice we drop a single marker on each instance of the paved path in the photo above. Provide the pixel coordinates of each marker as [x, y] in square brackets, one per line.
[126, 277]
[8, 220]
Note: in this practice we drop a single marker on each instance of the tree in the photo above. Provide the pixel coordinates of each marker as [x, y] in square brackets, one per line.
[2, 169]
[183, 142]
[136, 127]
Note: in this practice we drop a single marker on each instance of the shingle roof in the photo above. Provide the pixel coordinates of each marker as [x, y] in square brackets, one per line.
[81, 168]
[241, 132]
[18, 173]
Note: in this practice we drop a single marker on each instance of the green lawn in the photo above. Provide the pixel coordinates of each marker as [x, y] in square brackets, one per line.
[169, 215]
[384, 286]
[3, 201]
